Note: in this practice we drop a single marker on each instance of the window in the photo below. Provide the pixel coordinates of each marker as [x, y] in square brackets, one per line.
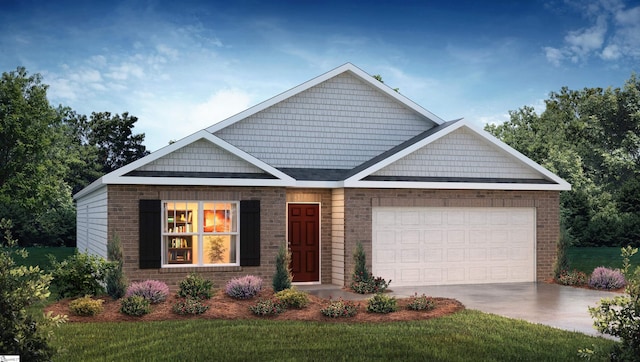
[200, 233]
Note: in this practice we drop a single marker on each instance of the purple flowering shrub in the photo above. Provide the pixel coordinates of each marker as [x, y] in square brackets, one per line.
[245, 287]
[154, 291]
[605, 278]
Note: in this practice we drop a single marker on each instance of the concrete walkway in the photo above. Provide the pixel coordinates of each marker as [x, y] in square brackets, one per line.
[549, 304]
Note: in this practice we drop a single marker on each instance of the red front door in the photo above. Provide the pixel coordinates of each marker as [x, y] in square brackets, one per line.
[304, 242]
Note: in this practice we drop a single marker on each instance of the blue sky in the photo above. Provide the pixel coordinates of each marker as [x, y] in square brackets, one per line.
[183, 66]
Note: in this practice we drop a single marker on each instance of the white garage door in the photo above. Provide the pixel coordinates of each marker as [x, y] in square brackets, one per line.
[450, 245]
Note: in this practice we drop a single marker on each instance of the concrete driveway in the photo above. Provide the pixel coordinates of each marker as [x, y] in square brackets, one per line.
[549, 304]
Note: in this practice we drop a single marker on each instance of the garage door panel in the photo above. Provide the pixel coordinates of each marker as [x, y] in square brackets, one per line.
[439, 245]
[410, 236]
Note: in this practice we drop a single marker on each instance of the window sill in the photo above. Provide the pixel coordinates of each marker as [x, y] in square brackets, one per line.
[182, 269]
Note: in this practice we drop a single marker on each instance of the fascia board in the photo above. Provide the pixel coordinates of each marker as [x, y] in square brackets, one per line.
[455, 186]
[515, 153]
[462, 123]
[317, 80]
[404, 152]
[367, 78]
[155, 155]
[114, 176]
[95, 185]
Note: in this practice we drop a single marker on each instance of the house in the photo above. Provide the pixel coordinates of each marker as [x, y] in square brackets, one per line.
[337, 160]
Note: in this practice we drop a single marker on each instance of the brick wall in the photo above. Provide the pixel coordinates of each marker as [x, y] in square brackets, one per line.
[123, 221]
[359, 204]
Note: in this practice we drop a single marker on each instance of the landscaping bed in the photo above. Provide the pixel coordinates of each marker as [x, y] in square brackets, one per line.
[221, 306]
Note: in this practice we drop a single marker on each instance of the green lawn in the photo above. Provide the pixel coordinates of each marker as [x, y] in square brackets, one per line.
[465, 336]
[586, 259]
[38, 256]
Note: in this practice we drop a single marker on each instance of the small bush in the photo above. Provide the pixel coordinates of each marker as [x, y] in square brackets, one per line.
[340, 309]
[115, 281]
[154, 291]
[79, 275]
[421, 303]
[245, 287]
[268, 307]
[370, 285]
[282, 277]
[86, 306]
[605, 278]
[135, 305]
[189, 305]
[381, 303]
[574, 278]
[195, 286]
[293, 298]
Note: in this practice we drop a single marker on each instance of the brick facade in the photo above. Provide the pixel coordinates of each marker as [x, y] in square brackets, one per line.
[358, 203]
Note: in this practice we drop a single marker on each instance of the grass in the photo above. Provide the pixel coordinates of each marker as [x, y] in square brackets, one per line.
[465, 336]
[38, 256]
[586, 259]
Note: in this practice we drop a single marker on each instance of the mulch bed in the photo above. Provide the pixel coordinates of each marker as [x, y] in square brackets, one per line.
[226, 308]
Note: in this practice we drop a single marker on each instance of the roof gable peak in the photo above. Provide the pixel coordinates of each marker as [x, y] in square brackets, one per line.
[347, 67]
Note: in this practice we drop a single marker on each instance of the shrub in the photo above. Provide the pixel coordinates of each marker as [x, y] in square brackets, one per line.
[245, 287]
[86, 306]
[605, 278]
[421, 303]
[381, 303]
[154, 291]
[135, 305]
[195, 286]
[620, 316]
[363, 281]
[372, 285]
[80, 274]
[189, 305]
[21, 331]
[293, 298]
[116, 283]
[574, 278]
[340, 308]
[282, 278]
[268, 307]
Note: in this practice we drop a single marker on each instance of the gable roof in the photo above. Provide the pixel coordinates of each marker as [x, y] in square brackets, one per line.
[364, 175]
[413, 159]
[348, 67]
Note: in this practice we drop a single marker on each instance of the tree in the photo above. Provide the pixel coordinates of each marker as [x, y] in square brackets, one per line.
[378, 77]
[33, 162]
[114, 139]
[591, 138]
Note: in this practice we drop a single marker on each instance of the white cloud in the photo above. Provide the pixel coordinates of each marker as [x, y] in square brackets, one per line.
[126, 70]
[584, 41]
[614, 34]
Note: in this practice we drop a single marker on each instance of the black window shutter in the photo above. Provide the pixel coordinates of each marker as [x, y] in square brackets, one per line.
[250, 232]
[150, 234]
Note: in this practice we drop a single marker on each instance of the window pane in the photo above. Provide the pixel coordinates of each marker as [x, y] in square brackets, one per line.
[219, 249]
[218, 217]
[181, 250]
[181, 217]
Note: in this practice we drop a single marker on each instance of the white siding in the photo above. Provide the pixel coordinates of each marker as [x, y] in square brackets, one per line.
[339, 123]
[460, 154]
[201, 156]
[337, 236]
[92, 223]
